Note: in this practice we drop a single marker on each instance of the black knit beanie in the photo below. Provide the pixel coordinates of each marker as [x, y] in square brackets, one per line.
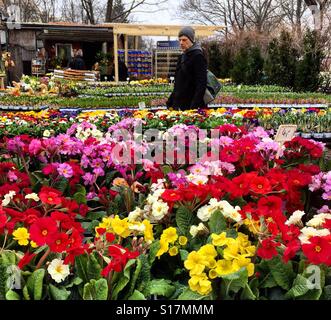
[188, 32]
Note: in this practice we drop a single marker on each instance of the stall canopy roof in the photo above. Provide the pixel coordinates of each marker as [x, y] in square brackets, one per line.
[70, 31]
[160, 30]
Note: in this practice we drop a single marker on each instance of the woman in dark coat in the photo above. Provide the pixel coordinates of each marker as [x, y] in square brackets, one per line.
[191, 74]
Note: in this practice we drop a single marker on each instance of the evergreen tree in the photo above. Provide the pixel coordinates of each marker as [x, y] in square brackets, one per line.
[309, 66]
[288, 59]
[240, 65]
[214, 58]
[226, 63]
[254, 66]
[272, 65]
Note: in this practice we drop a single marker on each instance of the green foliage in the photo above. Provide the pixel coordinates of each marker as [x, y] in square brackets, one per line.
[34, 284]
[281, 60]
[121, 279]
[234, 282]
[240, 66]
[96, 290]
[188, 294]
[248, 65]
[220, 59]
[137, 296]
[185, 219]
[12, 295]
[160, 287]
[309, 66]
[59, 293]
[217, 223]
[282, 273]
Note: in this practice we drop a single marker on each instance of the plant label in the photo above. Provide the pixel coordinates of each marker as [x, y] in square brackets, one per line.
[285, 132]
[142, 105]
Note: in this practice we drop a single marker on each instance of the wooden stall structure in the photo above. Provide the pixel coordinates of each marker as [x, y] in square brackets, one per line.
[151, 30]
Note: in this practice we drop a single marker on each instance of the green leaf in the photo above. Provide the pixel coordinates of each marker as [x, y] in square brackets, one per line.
[123, 279]
[144, 275]
[61, 184]
[160, 287]
[136, 273]
[268, 281]
[327, 292]
[93, 268]
[281, 272]
[35, 284]
[96, 290]
[8, 257]
[12, 295]
[75, 282]
[154, 248]
[217, 223]
[26, 294]
[96, 215]
[188, 294]
[235, 281]
[59, 294]
[184, 219]
[299, 287]
[81, 267]
[137, 296]
[247, 293]
[3, 280]
[80, 197]
[183, 254]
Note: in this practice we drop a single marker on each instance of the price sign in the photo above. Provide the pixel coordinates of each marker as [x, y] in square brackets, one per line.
[285, 132]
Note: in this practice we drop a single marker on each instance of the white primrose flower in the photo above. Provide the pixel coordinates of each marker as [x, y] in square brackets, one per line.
[318, 220]
[159, 210]
[32, 196]
[7, 198]
[295, 218]
[58, 270]
[309, 232]
[195, 230]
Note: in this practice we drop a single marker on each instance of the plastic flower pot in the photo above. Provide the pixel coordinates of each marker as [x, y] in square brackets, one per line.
[306, 135]
[318, 135]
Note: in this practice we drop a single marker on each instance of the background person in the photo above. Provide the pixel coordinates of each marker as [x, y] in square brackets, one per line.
[77, 62]
[191, 74]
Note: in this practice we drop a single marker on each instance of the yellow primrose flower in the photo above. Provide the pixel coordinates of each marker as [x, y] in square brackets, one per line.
[212, 274]
[173, 251]
[22, 236]
[195, 262]
[219, 239]
[105, 224]
[170, 235]
[250, 269]
[250, 251]
[200, 284]
[120, 227]
[182, 240]
[231, 251]
[148, 233]
[208, 250]
[241, 261]
[224, 267]
[33, 244]
[252, 225]
[164, 247]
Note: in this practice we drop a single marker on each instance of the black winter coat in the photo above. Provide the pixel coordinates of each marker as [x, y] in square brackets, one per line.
[190, 81]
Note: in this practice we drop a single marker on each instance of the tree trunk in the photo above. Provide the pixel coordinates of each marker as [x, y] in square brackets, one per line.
[109, 11]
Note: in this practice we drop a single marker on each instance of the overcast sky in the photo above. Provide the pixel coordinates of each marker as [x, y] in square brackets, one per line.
[168, 14]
